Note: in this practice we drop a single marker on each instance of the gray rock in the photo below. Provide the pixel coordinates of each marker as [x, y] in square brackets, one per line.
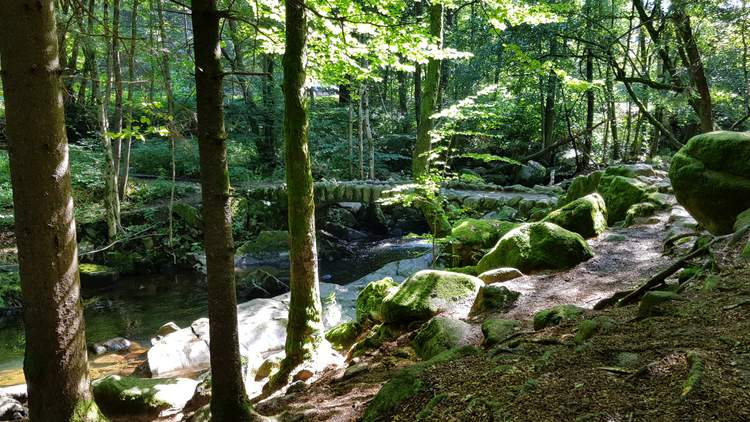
[500, 275]
[11, 409]
[441, 334]
[494, 298]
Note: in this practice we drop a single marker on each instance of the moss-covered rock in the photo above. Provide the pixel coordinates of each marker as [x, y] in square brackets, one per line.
[742, 220]
[591, 327]
[500, 275]
[428, 293]
[651, 302]
[344, 335]
[130, 395]
[582, 186]
[371, 298]
[94, 274]
[620, 193]
[745, 254]
[469, 238]
[267, 242]
[555, 316]
[378, 335]
[586, 216]
[639, 210]
[441, 334]
[405, 385]
[537, 246]
[188, 214]
[494, 298]
[496, 330]
[711, 178]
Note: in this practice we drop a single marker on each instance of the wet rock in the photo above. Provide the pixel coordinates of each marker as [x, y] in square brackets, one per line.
[494, 298]
[537, 246]
[710, 177]
[11, 409]
[428, 293]
[500, 275]
[129, 395]
[259, 283]
[441, 334]
[114, 345]
[586, 216]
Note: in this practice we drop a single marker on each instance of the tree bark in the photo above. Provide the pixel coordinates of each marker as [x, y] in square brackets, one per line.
[111, 198]
[267, 149]
[402, 104]
[548, 119]
[228, 398]
[117, 73]
[55, 365]
[125, 167]
[305, 328]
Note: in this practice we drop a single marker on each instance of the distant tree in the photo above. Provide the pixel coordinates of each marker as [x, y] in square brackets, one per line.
[55, 366]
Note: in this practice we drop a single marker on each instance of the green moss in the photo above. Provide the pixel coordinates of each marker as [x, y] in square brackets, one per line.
[87, 411]
[582, 186]
[590, 327]
[406, 384]
[742, 220]
[620, 193]
[537, 246]
[652, 300]
[438, 335]
[129, 395]
[267, 242]
[470, 237]
[93, 274]
[494, 298]
[428, 293]
[496, 330]
[710, 178]
[469, 269]
[555, 316]
[586, 216]
[746, 252]
[371, 298]
[378, 335]
[188, 214]
[641, 209]
[343, 335]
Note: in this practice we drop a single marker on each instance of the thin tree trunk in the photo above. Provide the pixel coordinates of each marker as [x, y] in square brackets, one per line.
[745, 55]
[590, 98]
[267, 150]
[368, 129]
[402, 104]
[305, 328]
[55, 364]
[228, 398]
[350, 136]
[125, 168]
[549, 105]
[111, 198]
[117, 72]
[361, 132]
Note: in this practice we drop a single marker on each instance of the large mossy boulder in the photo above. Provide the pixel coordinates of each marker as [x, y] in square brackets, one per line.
[537, 246]
[441, 334]
[711, 178]
[371, 298]
[344, 335]
[429, 293]
[471, 237]
[582, 186]
[118, 395]
[620, 193]
[586, 216]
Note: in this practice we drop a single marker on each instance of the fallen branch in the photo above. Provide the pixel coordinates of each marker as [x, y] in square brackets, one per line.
[124, 239]
[695, 373]
[669, 243]
[662, 275]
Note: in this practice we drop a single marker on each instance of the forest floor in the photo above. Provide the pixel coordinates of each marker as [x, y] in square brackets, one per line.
[636, 370]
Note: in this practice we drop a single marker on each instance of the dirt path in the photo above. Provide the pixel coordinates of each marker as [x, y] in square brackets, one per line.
[622, 258]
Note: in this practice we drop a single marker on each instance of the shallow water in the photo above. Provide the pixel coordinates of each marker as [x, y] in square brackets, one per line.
[135, 307]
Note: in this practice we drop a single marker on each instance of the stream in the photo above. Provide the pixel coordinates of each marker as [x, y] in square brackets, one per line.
[136, 306]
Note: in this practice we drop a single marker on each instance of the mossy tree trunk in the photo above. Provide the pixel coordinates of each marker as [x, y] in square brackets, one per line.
[55, 366]
[305, 329]
[228, 398]
[420, 161]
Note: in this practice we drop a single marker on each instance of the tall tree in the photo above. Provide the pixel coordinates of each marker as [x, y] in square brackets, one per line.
[421, 161]
[125, 166]
[55, 365]
[228, 398]
[305, 328]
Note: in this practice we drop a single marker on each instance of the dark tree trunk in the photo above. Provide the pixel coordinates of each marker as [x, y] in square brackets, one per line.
[548, 118]
[228, 398]
[116, 126]
[267, 149]
[345, 93]
[55, 364]
[402, 102]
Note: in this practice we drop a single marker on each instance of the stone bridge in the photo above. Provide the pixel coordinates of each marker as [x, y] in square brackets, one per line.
[479, 197]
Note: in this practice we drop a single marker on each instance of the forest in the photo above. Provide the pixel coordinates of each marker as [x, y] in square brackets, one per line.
[361, 210]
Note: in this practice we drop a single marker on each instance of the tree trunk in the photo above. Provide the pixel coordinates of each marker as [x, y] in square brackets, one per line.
[304, 331]
[125, 167]
[420, 162]
[117, 72]
[165, 68]
[548, 119]
[55, 365]
[267, 149]
[111, 198]
[590, 98]
[361, 131]
[368, 129]
[694, 64]
[350, 137]
[402, 104]
[612, 117]
[228, 398]
[90, 68]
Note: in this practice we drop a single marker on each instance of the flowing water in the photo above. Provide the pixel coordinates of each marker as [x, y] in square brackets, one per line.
[135, 307]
